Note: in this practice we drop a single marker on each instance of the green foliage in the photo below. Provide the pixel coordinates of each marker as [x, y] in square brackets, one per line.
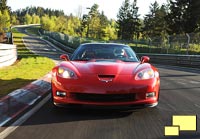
[48, 23]
[36, 13]
[4, 20]
[68, 25]
[3, 6]
[155, 23]
[14, 20]
[184, 16]
[27, 19]
[96, 25]
[39, 11]
[35, 19]
[110, 31]
[128, 21]
[61, 24]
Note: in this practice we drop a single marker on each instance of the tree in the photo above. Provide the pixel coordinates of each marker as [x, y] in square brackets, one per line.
[73, 26]
[155, 24]
[3, 6]
[91, 22]
[48, 23]
[27, 19]
[110, 32]
[76, 25]
[84, 25]
[150, 21]
[128, 21]
[162, 27]
[96, 25]
[195, 10]
[134, 21]
[40, 11]
[14, 20]
[1, 23]
[4, 20]
[104, 24]
[35, 19]
[36, 11]
[4, 16]
[122, 20]
[61, 24]
[184, 16]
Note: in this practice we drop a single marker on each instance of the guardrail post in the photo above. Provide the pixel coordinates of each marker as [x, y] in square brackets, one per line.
[188, 42]
[149, 39]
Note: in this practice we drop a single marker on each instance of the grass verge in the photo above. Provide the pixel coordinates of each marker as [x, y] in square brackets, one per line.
[27, 68]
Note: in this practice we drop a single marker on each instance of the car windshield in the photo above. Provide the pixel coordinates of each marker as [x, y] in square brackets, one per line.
[111, 52]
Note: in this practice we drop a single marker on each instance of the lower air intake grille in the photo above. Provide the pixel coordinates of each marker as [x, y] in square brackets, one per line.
[104, 97]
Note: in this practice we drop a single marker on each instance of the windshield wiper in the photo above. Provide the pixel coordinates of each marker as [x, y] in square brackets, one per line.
[129, 61]
[85, 59]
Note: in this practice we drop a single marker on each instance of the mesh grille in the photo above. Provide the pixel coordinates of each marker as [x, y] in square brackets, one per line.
[104, 97]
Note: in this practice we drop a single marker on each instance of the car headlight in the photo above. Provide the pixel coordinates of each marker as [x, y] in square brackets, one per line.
[145, 74]
[66, 73]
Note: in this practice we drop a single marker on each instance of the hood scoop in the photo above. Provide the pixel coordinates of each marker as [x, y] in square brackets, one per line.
[106, 76]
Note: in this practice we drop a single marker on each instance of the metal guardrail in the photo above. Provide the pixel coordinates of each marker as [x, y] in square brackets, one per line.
[60, 45]
[8, 54]
[172, 59]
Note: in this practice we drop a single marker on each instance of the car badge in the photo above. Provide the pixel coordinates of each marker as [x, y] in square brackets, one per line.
[106, 80]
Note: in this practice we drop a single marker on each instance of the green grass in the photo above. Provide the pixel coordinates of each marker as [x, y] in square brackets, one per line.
[29, 67]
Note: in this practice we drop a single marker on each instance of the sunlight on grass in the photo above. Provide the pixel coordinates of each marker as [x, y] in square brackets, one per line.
[28, 68]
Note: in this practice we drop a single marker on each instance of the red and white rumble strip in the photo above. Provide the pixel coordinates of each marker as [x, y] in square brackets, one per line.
[21, 99]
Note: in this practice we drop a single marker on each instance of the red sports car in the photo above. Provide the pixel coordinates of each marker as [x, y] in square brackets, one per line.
[105, 74]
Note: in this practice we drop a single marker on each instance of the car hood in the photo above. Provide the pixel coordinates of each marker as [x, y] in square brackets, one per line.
[108, 68]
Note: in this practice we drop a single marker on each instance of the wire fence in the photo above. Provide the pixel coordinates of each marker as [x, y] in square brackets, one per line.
[174, 44]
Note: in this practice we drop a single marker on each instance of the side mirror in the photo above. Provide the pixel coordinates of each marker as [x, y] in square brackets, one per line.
[145, 59]
[64, 57]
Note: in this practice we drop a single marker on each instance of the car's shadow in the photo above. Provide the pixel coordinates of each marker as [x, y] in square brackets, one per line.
[63, 115]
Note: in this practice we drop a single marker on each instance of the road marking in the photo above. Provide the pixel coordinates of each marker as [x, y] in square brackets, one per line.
[21, 120]
[178, 68]
[181, 82]
[197, 105]
[194, 82]
[5, 121]
[172, 107]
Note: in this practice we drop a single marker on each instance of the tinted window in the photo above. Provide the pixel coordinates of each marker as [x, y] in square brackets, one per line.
[105, 51]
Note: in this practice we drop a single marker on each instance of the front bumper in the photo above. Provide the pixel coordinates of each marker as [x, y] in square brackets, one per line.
[90, 91]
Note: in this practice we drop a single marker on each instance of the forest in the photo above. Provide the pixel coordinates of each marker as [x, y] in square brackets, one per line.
[174, 18]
